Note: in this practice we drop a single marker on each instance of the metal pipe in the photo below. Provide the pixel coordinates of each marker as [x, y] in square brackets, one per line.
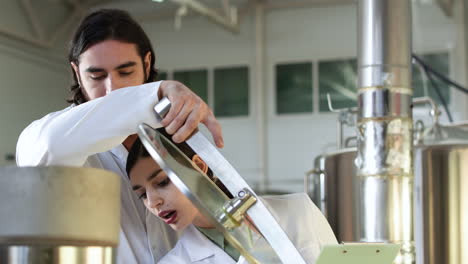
[262, 132]
[384, 158]
[33, 20]
[227, 21]
[18, 36]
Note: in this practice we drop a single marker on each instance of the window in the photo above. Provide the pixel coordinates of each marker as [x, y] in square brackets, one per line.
[294, 88]
[231, 91]
[197, 80]
[422, 85]
[161, 76]
[339, 79]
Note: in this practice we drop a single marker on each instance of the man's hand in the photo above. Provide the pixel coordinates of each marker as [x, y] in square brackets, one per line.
[186, 112]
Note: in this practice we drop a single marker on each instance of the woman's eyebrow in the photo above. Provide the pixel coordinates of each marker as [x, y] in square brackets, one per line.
[154, 174]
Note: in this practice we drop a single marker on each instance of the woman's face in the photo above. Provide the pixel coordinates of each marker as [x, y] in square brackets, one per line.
[161, 196]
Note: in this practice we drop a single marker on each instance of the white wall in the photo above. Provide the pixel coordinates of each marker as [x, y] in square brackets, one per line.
[306, 34]
[33, 79]
[29, 89]
[325, 32]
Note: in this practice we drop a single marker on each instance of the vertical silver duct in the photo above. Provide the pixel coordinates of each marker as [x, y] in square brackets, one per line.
[384, 160]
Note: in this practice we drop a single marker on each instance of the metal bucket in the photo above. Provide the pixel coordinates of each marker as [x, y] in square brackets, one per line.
[441, 200]
[58, 215]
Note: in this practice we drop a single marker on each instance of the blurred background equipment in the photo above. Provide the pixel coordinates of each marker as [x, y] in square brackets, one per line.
[440, 202]
[60, 215]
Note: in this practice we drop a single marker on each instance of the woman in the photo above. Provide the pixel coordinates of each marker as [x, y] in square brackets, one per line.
[200, 242]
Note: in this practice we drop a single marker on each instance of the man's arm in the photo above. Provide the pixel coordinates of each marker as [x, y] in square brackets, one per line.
[187, 111]
[68, 137]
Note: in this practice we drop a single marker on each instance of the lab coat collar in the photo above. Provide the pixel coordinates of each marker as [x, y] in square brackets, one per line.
[200, 246]
[121, 153]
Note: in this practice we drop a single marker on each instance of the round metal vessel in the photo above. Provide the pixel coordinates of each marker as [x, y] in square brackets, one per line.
[441, 203]
[58, 215]
[332, 190]
[440, 207]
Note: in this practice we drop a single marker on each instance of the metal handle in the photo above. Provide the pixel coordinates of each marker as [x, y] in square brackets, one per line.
[317, 173]
[435, 113]
[162, 108]
[313, 171]
[349, 139]
[319, 197]
[233, 211]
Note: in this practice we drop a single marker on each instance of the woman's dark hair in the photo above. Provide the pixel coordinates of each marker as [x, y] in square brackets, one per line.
[107, 24]
[138, 151]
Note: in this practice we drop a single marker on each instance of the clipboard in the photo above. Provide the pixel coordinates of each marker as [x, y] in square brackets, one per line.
[359, 253]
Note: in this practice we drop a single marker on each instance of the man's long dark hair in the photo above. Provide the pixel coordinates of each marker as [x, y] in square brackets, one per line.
[107, 24]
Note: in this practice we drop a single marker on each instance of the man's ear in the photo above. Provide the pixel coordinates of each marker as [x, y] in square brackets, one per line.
[147, 63]
[200, 163]
[77, 72]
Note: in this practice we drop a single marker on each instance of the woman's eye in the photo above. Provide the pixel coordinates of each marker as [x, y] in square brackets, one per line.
[164, 182]
[142, 196]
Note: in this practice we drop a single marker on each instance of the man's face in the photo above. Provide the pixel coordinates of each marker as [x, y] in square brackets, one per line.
[161, 196]
[110, 65]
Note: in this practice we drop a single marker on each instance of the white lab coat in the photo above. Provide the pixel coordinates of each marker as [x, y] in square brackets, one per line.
[90, 135]
[194, 247]
[302, 221]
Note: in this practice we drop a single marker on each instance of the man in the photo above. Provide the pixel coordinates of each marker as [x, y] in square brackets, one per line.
[113, 68]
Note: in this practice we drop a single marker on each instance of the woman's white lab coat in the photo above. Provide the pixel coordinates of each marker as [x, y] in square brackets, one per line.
[297, 215]
[194, 247]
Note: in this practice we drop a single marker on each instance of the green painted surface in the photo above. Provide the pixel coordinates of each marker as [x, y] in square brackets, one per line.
[421, 84]
[161, 76]
[359, 253]
[339, 79]
[231, 91]
[294, 88]
[197, 80]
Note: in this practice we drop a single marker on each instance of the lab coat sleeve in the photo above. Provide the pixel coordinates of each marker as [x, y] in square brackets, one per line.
[69, 136]
[303, 222]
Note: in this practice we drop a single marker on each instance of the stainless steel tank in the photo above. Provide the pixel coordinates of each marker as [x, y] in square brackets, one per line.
[441, 203]
[440, 195]
[58, 215]
[332, 190]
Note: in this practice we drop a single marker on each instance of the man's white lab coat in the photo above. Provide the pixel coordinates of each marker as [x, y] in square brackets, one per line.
[302, 221]
[90, 135]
